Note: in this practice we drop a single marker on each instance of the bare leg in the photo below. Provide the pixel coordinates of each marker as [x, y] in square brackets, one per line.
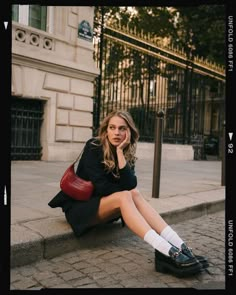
[152, 217]
[123, 202]
[139, 216]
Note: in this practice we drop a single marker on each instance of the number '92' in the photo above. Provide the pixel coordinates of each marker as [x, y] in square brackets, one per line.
[230, 148]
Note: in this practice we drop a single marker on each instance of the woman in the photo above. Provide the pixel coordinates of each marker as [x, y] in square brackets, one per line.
[108, 161]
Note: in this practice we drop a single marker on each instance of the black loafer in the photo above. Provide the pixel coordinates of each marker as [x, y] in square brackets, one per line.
[203, 260]
[177, 263]
[188, 252]
[180, 258]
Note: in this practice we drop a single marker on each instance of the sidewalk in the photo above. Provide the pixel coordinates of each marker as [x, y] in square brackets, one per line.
[188, 189]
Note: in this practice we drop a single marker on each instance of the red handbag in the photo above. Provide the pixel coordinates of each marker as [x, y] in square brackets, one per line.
[74, 186]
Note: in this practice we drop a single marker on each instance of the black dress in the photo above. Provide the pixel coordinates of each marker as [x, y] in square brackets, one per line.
[80, 214]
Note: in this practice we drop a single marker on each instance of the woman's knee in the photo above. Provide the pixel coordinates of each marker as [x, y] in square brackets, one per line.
[125, 197]
[135, 193]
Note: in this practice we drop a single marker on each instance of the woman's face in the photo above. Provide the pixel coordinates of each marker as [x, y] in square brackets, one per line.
[116, 130]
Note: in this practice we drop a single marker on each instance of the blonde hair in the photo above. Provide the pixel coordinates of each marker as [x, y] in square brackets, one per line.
[108, 150]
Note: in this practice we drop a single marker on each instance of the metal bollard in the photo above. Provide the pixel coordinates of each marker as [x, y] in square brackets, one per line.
[223, 157]
[157, 154]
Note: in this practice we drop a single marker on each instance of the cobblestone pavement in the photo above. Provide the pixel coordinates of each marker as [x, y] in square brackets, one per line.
[129, 263]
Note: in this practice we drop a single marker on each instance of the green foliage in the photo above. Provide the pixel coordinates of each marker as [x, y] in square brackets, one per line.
[202, 30]
[199, 30]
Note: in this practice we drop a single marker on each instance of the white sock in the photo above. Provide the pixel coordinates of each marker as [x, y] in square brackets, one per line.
[157, 242]
[171, 236]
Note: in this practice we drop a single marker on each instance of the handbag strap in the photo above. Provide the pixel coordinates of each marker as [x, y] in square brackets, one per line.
[79, 156]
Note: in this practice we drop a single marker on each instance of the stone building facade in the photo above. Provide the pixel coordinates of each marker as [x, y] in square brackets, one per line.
[55, 65]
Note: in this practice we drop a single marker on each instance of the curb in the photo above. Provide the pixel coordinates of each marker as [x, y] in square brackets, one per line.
[36, 240]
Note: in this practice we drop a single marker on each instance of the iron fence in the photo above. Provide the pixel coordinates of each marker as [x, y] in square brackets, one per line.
[139, 76]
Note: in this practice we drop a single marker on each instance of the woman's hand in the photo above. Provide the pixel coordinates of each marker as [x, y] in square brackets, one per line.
[120, 148]
[125, 142]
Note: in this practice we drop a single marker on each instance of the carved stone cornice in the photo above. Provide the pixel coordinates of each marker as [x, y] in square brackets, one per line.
[67, 69]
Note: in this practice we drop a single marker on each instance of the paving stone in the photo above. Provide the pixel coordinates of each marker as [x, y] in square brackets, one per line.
[16, 277]
[43, 264]
[96, 261]
[129, 266]
[61, 267]
[107, 281]
[83, 281]
[43, 275]
[80, 265]
[73, 259]
[70, 275]
[52, 282]
[28, 271]
[91, 269]
[25, 284]
[98, 275]
[119, 260]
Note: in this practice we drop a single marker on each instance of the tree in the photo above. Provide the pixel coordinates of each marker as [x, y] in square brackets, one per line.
[199, 30]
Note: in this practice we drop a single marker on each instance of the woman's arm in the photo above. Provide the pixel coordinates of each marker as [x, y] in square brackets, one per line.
[128, 179]
[120, 150]
[94, 169]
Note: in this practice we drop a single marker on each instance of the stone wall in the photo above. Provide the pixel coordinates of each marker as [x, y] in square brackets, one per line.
[58, 68]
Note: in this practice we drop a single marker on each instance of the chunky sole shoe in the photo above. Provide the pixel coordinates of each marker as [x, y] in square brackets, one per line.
[180, 272]
[188, 252]
[177, 263]
[203, 260]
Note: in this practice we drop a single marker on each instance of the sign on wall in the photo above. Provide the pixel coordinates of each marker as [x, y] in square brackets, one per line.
[85, 31]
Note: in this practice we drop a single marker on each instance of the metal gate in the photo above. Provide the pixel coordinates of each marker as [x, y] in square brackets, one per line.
[138, 75]
[26, 120]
